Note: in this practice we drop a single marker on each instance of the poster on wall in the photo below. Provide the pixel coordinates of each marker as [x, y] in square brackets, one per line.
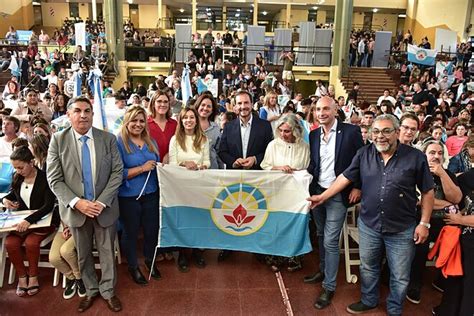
[80, 29]
[445, 40]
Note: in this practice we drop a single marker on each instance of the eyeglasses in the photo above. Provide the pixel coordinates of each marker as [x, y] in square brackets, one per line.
[385, 132]
[413, 129]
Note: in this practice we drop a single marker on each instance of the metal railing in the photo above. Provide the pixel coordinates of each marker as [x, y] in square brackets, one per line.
[270, 53]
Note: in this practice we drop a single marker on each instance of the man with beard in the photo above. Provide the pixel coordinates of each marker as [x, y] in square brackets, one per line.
[389, 173]
[447, 195]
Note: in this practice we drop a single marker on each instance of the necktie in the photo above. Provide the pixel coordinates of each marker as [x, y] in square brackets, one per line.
[87, 170]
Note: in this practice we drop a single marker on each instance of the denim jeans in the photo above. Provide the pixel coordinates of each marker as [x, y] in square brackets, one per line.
[399, 249]
[133, 215]
[329, 219]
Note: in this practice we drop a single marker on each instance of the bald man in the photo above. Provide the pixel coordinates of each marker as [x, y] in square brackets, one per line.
[333, 145]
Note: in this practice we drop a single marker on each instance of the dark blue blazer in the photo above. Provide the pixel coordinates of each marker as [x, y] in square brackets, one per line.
[230, 147]
[348, 141]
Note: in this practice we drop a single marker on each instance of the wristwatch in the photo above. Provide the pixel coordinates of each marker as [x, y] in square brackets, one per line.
[427, 225]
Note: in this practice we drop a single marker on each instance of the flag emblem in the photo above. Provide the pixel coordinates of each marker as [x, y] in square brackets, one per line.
[239, 209]
[421, 55]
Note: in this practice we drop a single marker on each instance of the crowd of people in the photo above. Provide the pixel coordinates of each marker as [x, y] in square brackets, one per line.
[409, 159]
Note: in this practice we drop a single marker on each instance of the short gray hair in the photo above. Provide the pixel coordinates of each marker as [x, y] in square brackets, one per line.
[79, 99]
[295, 125]
[424, 146]
[388, 117]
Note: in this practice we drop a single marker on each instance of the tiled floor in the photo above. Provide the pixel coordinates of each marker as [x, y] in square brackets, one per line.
[238, 286]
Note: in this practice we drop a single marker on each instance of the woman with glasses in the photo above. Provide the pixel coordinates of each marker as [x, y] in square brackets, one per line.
[162, 126]
[189, 148]
[138, 194]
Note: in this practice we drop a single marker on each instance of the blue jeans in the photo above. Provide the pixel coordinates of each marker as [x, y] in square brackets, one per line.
[133, 215]
[399, 249]
[329, 219]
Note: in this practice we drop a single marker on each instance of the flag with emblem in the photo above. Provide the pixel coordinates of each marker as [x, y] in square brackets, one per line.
[263, 212]
[420, 55]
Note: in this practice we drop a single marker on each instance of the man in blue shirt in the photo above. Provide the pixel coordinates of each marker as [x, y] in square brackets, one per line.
[389, 173]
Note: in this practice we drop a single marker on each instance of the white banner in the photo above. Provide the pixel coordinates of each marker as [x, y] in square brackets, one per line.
[80, 30]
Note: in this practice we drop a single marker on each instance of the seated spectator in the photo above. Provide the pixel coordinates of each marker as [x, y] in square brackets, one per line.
[59, 105]
[464, 160]
[32, 107]
[12, 90]
[30, 191]
[386, 96]
[63, 256]
[455, 142]
[39, 144]
[10, 130]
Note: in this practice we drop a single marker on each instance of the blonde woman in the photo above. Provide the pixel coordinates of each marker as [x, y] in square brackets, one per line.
[189, 148]
[138, 194]
[270, 110]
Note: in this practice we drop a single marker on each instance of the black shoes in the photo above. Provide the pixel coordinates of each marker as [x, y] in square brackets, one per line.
[70, 289]
[359, 308]
[137, 276]
[223, 254]
[182, 263]
[414, 296]
[198, 259]
[81, 288]
[314, 278]
[155, 273]
[324, 299]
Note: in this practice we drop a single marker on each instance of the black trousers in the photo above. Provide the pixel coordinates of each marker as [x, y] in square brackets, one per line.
[458, 297]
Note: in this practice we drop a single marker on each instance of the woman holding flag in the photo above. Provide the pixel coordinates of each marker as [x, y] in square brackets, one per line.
[138, 194]
[189, 148]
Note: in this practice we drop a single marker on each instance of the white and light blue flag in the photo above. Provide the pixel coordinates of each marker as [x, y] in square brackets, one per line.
[420, 55]
[263, 212]
[186, 90]
[99, 120]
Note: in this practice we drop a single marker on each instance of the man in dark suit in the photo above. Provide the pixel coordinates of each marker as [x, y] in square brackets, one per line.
[89, 207]
[333, 145]
[244, 141]
[23, 67]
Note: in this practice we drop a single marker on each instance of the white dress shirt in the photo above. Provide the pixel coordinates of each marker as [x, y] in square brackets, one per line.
[245, 134]
[327, 157]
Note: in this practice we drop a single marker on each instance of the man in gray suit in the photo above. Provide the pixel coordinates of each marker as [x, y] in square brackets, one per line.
[89, 207]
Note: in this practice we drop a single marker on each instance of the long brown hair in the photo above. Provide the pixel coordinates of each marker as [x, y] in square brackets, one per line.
[215, 108]
[199, 136]
[40, 144]
[153, 100]
[22, 154]
[131, 114]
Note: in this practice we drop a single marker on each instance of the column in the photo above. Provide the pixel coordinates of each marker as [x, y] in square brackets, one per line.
[255, 12]
[160, 14]
[410, 20]
[342, 30]
[224, 17]
[94, 10]
[288, 15]
[194, 10]
[113, 13]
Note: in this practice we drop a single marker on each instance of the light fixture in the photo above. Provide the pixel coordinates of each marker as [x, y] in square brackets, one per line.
[315, 8]
[181, 10]
[130, 1]
[375, 10]
[402, 15]
[36, 3]
[264, 12]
